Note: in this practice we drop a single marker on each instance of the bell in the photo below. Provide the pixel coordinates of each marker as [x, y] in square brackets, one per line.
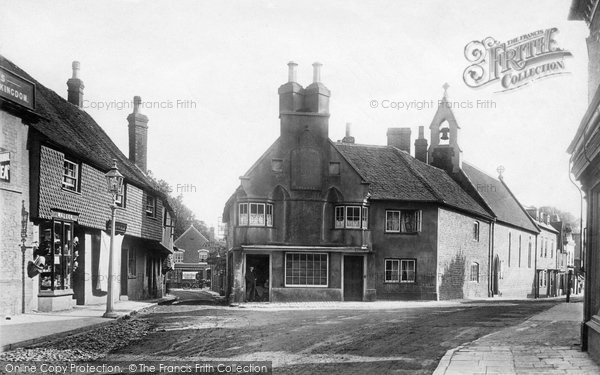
[445, 132]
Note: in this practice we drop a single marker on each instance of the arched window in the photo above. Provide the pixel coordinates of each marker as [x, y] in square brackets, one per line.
[475, 272]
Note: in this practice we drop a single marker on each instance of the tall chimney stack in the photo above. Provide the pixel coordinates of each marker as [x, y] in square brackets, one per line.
[348, 138]
[421, 146]
[75, 86]
[316, 97]
[138, 135]
[399, 138]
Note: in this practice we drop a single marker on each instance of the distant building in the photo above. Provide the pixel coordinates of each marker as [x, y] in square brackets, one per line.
[191, 260]
[318, 220]
[53, 164]
[585, 159]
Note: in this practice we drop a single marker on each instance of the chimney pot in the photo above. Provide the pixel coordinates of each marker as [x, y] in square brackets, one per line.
[75, 66]
[348, 129]
[137, 100]
[292, 71]
[348, 138]
[317, 72]
[75, 86]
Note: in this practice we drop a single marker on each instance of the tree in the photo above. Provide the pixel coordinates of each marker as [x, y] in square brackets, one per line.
[183, 215]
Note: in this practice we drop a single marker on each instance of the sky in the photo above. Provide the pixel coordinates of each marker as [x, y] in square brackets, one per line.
[208, 73]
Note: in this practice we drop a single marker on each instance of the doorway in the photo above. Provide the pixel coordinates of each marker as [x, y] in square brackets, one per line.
[353, 277]
[257, 277]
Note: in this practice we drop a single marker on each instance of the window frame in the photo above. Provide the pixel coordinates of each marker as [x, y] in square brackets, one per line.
[414, 271]
[385, 270]
[474, 277]
[285, 266]
[76, 186]
[150, 213]
[123, 195]
[244, 215]
[418, 221]
[363, 216]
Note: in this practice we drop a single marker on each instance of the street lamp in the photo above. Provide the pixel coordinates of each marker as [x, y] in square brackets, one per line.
[115, 182]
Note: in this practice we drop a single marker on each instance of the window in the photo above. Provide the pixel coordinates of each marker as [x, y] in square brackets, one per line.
[407, 270]
[60, 251]
[178, 257]
[392, 270]
[545, 248]
[509, 247]
[256, 214]
[339, 217]
[476, 231]
[405, 221]
[131, 263]
[277, 165]
[475, 272]
[202, 255]
[519, 250]
[334, 168]
[150, 206]
[243, 214]
[352, 217]
[269, 215]
[551, 248]
[529, 248]
[121, 196]
[70, 179]
[306, 269]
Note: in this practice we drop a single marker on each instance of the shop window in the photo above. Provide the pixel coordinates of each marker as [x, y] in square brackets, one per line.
[475, 272]
[351, 217]
[150, 206]
[70, 179]
[476, 231]
[392, 270]
[121, 197]
[408, 270]
[404, 221]
[57, 246]
[306, 269]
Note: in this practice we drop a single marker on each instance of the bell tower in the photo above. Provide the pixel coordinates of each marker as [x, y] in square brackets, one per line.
[444, 151]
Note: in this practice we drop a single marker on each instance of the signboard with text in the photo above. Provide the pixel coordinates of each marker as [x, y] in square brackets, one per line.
[17, 89]
[5, 166]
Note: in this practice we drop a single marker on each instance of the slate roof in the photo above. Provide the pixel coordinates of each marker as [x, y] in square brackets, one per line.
[395, 175]
[74, 131]
[499, 198]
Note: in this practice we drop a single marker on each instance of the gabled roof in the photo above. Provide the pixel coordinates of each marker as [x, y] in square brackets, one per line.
[395, 175]
[499, 198]
[72, 130]
[189, 237]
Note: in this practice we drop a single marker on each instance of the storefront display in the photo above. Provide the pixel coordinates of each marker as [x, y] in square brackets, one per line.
[58, 247]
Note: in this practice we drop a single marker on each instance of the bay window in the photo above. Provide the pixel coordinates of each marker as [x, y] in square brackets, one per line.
[255, 214]
[351, 217]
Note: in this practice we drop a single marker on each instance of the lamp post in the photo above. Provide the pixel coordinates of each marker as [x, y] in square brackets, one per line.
[24, 221]
[115, 182]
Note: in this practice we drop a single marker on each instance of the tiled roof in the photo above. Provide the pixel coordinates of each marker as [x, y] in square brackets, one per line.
[395, 175]
[74, 131]
[499, 198]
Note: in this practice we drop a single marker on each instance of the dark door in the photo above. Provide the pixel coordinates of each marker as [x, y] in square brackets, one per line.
[353, 278]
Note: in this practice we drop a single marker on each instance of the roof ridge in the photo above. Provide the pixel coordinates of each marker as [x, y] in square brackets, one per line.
[418, 175]
[350, 162]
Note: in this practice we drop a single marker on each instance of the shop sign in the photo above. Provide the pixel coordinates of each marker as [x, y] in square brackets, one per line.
[17, 89]
[5, 166]
[64, 215]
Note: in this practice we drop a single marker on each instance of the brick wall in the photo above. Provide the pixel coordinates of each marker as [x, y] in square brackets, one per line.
[92, 201]
[457, 251]
[13, 195]
[516, 279]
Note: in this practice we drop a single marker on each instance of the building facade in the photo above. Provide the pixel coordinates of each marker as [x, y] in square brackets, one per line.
[191, 269]
[319, 220]
[67, 155]
[585, 166]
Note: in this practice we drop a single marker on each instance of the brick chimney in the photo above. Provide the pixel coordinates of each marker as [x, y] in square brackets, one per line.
[316, 94]
[399, 138]
[421, 146]
[138, 135]
[348, 138]
[75, 86]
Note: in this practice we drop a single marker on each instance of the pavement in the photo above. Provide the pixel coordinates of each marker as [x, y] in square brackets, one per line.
[25, 329]
[547, 343]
